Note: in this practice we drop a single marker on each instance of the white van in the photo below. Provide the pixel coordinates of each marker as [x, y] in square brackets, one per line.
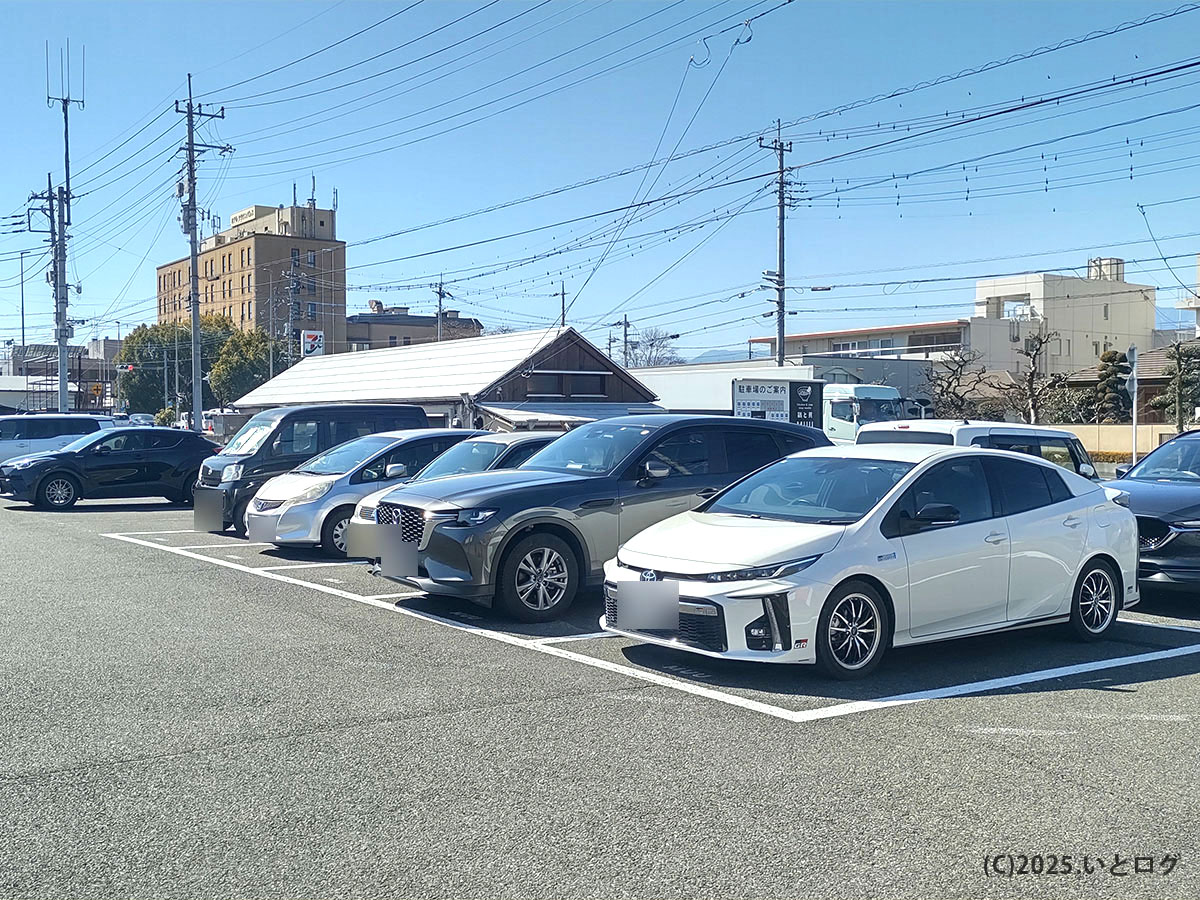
[43, 432]
[1056, 445]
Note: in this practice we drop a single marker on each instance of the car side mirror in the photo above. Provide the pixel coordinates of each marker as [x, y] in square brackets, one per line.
[1123, 469]
[396, 470]
[654, 470]
[1087, 471]
[101, 449]
[935, 515]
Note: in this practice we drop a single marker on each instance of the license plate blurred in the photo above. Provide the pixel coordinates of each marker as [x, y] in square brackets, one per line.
[208, 511]
[260, 529]
[648, 605]
[397, 557]
[361, 541]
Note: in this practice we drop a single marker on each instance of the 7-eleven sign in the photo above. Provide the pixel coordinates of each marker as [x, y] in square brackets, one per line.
[312, 343]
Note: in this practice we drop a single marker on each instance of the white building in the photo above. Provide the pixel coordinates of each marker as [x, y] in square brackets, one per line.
[1087, 317]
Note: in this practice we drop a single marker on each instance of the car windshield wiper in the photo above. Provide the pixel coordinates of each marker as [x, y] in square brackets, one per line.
[735, 515]
[844, 520]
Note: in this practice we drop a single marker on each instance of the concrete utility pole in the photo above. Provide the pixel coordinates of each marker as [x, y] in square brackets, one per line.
[194, 111]
[440, 289]
[22, 298]
[780, 148]
[293, 277]
[562, 294]
[1131, 386]
[623, 324]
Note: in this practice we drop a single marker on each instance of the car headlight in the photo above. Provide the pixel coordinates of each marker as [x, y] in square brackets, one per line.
[316, 492]
[22, 463]
[1191, 523]
[775, 570]
[473, 516]
[231, 472]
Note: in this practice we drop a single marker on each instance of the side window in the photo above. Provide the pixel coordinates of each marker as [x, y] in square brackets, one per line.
[161, 440]
[349, 429]
[793, 443]
[748, 449]
[1019, 485]
[1014, 444]
[518, 455]
[297, 437]
[125, 442]
[842, 409]
[1058, 488]
[40, 429]
[1057, 451]
[417, 454]
[12, 430]
[687, 452]
[84, 426]
[1081, 455]
[958, 482]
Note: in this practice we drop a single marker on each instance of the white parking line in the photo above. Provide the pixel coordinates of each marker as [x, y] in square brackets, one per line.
[316, 565]
[549, 647]
[225, 546]
[180, 531]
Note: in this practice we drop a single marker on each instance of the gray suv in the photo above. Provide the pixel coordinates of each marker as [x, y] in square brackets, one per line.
[530, 537]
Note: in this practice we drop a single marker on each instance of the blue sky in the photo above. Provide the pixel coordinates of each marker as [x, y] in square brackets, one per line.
[403, 150]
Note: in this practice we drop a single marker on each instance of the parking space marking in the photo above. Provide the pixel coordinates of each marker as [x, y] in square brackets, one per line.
[566, 639]
[224, 546]
[551, 648]
[310, 565]
[178, 531]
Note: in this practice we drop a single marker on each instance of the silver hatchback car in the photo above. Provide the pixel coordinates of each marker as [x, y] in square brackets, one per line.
[312, 504]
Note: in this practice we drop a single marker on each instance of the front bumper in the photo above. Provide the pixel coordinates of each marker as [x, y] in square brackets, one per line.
[232, 493]
[738, 609]
[452, 560]
[295, 524]
[20, 484]
[1173, 563]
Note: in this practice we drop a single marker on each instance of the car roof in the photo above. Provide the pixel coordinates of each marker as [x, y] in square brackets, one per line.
[953, 426]
[658, 420]
[406, 433]
[104, 417]
[515, 437]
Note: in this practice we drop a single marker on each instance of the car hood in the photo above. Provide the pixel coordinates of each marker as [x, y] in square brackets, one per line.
[291, 484]
[35, 457]
[694, 543]
[479, 488]
[218, 461]
[1169, 500]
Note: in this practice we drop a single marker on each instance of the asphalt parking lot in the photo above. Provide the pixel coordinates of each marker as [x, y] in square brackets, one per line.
[186, 714]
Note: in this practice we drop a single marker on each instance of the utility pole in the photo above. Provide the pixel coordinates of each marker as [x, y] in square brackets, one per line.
[271, 331]
[1131, 386]
[195, 111]
[562, 321]
[780, 148]
[440, 288]
[22, 298]
[293, 277]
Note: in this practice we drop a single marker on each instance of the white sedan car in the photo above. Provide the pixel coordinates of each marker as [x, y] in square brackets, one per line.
[833, 555]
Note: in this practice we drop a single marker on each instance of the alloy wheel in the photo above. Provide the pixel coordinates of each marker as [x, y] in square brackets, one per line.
[855, 630]
[542, 578]
[339, 534]
[60, 492]
[1097, 600]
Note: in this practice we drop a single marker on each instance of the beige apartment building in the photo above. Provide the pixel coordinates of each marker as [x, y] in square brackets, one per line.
[395, 326]
[250, 272]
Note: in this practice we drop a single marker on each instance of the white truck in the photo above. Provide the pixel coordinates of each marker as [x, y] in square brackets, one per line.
[847, 406]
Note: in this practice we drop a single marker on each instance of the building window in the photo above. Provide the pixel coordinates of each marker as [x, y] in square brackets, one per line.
[1096, 348]
[356, 346]
[310, 285]
[391, 340]
[312, 310]
[250, 282]
[587, 385]
[545, 385]
[249, 250]
[407, 340]
[322, 223]
[1106, 311]
[243, 256]
[243, 284]
[296, 256]
[312, 259]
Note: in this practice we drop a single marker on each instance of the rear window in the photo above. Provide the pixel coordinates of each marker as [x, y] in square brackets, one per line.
[887, 436]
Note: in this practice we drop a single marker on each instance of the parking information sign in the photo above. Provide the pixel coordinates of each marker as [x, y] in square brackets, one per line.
[312, 343]
[779, 401]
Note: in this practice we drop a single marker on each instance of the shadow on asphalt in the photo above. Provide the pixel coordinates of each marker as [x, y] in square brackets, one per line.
[99, 506]
[1174, 604]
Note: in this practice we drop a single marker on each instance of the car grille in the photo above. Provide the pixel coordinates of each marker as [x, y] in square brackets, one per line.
[209, 477]
[410, 519]
[1152, 533]
[266, 505]
[704, 632]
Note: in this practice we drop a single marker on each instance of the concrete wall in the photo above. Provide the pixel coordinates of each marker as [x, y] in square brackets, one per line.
[1119, 438]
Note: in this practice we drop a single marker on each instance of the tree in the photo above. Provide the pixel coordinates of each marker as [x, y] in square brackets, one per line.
[243, 364]
[149, 347]
[654, 347]
[1031, 386]
[1181, 395]
[958, 388]
[500, 329]
[1112, 400]
[1068, 406]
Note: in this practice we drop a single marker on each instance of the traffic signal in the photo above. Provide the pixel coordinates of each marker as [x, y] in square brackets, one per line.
[125, 368]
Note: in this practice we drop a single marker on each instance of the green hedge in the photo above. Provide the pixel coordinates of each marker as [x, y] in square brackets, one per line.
[1109, 456]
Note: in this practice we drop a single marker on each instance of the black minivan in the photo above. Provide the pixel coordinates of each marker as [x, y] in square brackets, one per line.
[278, 440]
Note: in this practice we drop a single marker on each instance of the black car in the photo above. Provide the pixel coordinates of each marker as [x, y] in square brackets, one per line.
[279, 440]
[533, 535]
[134, 461]
[1164, 494]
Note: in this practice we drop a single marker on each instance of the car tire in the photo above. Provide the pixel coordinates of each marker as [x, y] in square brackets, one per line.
[57, 491]
[539, 578]
[239, 518]
[852, 631]
[331, 534]
[186, 495]
[1095, 601]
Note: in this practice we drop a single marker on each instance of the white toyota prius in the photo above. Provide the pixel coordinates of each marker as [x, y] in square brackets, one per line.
[836, 554]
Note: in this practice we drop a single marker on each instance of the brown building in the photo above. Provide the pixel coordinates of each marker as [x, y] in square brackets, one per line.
[395, 326]
[251, 271]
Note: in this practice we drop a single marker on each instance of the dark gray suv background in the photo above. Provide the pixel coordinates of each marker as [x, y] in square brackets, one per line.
[530, 537]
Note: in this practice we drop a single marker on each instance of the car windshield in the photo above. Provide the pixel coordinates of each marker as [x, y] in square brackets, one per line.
[1174, 461]
[346, 457]
[250, 437]
[593, 449]
[872, 410]
[461, 459]
[87, 440]
[888, 436]
[814, 489]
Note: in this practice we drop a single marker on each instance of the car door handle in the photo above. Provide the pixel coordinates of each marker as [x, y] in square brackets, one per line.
[996, 538]
[598, 503]
[1072, 521]
[707, 492]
